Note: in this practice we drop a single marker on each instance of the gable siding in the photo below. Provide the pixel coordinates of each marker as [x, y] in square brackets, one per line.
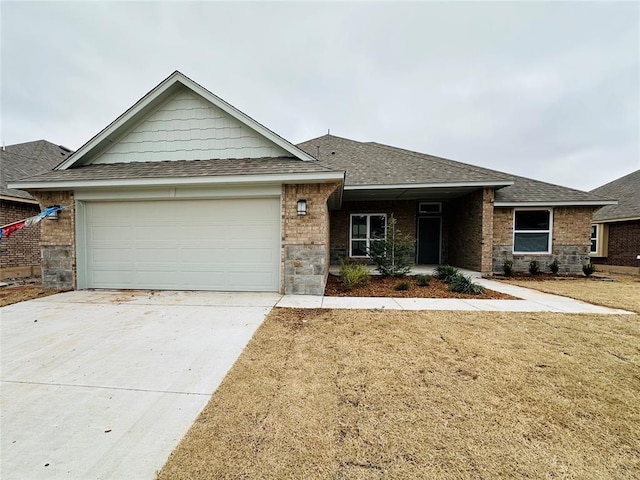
[188, 127]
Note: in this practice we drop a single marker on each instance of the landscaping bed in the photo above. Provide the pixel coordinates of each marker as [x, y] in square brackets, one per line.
[379, 286]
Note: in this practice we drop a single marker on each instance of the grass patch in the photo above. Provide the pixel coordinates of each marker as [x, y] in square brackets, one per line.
[622, 293]
[370, 394]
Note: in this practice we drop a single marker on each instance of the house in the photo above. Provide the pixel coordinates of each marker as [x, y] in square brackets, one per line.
[183, 191]
[615, 233]
[20, 253]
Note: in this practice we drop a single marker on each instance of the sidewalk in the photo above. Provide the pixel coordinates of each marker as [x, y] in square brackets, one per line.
[531, 301]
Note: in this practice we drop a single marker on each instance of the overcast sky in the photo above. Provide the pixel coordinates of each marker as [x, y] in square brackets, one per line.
[545, 90]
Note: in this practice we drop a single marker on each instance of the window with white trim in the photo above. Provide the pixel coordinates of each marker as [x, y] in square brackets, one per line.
[364, 229]
[594, 238]
[532, 231]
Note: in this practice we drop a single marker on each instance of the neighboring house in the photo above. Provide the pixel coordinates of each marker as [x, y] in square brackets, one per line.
[615, 233]
[183, 191]
[20, 253]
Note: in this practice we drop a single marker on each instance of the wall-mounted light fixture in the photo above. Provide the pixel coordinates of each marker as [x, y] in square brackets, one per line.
[54, 215]
[302, 207]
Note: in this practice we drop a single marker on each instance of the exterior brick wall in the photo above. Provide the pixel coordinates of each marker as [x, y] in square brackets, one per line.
[570, 240]
[58, 241]
[20, 252]
[623, 245]
[404, 211]
[305, 239]
[471, 231]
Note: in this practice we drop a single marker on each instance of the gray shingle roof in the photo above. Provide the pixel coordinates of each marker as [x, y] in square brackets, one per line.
[374, 163]
[25, 160]
[627, 191]
[183, 168]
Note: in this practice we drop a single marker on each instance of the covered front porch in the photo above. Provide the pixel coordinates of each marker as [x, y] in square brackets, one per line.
[447, 225]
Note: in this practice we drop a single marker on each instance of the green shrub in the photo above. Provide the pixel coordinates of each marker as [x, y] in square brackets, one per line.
[354, 274]
[404, 285]
[534, 267]
[507, 267]
[554, 266]
[588, 269]
[462, 284]
[423, 280]
[445, 272]
[393, 255]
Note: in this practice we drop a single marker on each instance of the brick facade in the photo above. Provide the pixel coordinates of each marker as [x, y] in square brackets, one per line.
[58, 241]
[571, 233]
[471, 231]
[305, 239]
[20, 252]
[403, 211]
[623, 245]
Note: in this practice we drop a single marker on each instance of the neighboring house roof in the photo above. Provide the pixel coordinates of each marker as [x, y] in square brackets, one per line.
[24, 160]
[375, 164]
[627, 190]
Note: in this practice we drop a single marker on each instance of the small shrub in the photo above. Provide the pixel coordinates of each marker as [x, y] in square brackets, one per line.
[588, 269]
[463, 284]
[404, 285]
[393, 254]
[507, 267]
[354, 274]
[534, 267]
[554, 266]
[423, 280]
[445, 272]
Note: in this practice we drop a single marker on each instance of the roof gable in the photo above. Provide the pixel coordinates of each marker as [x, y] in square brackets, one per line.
[181, 120]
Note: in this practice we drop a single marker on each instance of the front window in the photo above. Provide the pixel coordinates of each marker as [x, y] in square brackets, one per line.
[364, 229]
[594, 238]
[532, 231]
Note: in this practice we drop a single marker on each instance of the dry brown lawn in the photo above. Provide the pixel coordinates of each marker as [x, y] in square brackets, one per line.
[623, 292]
[335, 394]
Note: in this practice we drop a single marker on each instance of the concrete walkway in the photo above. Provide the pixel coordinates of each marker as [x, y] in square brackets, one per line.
[531, 301]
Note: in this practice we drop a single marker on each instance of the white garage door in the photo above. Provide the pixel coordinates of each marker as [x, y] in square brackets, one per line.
[226, 245]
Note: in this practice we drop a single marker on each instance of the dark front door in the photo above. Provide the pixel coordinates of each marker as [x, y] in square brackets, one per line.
[429, 240]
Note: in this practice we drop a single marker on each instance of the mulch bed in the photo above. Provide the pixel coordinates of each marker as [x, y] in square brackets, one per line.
[379, 286]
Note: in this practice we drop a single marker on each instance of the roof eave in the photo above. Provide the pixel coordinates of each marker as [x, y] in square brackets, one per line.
[616, 220]
[407, 186]
[558, 203]
[315, 177]
[18, 199]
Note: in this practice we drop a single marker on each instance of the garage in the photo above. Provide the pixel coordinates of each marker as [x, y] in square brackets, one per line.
[221, 244]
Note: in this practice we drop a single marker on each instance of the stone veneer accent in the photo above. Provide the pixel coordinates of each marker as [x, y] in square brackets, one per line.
[570, 240]
[305, 239]
[57, 241]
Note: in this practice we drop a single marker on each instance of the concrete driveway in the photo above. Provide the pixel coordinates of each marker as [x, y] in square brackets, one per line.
[99, 385]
